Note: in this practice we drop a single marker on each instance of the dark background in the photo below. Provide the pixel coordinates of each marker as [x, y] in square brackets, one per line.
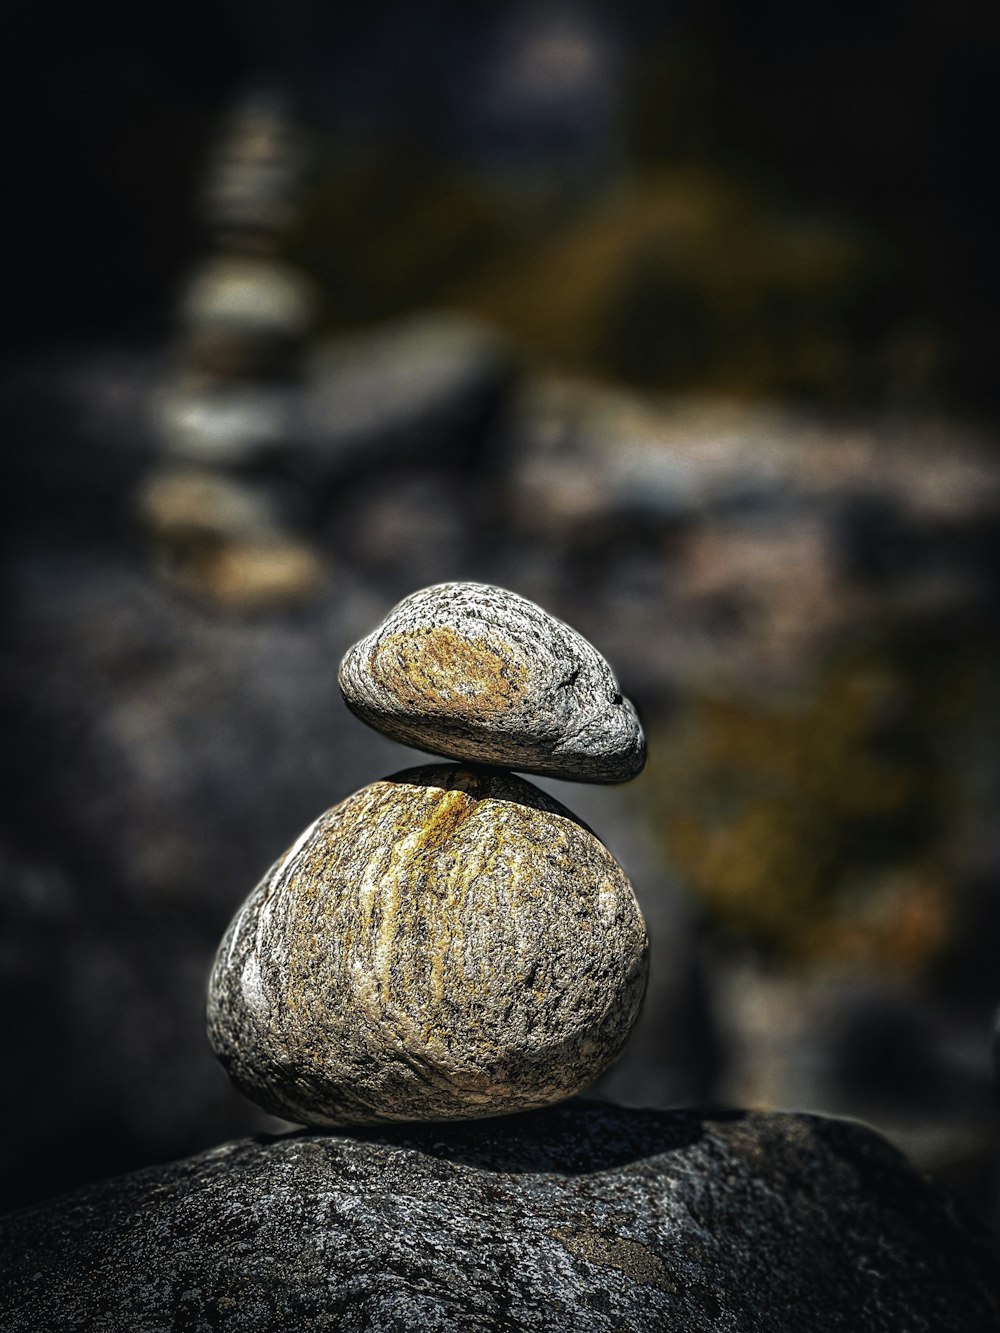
[884, 120]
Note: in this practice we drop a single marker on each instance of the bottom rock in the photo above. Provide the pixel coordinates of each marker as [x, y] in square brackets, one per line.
[583, 1217]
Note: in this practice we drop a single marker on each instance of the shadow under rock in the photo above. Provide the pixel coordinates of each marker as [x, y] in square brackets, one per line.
[578, 1137]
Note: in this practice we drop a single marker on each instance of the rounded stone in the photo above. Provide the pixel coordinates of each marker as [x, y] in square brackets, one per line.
[481, 674]
[445, 944]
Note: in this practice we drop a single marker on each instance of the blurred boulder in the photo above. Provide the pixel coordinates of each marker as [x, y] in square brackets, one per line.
[420, 389]
[739, 544]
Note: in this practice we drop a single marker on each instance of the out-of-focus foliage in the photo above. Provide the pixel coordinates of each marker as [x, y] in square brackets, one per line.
[827, 825]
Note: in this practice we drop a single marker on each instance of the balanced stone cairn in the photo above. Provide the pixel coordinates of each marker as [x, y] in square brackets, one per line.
[228, 414]
[449, 942]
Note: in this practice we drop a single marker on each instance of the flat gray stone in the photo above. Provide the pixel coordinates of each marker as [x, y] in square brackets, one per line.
[478, 673]
[579, 1219]
[445, 944]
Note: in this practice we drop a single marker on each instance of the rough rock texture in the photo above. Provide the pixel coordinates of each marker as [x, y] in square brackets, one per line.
[478, 673]
[582, 1218]
[443, 944]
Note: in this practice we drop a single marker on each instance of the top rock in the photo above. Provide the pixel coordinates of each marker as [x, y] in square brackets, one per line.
[480, 674]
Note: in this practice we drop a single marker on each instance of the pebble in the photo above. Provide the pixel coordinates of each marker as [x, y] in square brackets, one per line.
[446, 944]
[480, 674]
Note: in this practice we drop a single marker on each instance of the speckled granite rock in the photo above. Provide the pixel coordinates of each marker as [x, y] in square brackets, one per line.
[444, 944]
[478, 673]
[582, 1218]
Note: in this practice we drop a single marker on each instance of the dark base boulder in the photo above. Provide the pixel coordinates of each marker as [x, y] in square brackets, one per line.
[584, 1217]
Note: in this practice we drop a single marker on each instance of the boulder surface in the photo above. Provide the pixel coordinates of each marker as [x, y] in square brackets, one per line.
[581, 1217]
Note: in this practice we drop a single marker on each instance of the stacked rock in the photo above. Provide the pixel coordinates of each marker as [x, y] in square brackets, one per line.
[449, 942]
[245, 313]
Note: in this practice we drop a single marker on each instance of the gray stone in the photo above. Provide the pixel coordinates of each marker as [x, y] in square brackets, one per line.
[582, 1218]
[448, 943]
[478, 673]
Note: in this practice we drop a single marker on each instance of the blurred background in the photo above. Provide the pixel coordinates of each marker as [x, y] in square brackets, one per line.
[680, 319]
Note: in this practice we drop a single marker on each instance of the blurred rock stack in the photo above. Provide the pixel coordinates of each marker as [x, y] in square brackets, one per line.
[230, 409]
[448, 943]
